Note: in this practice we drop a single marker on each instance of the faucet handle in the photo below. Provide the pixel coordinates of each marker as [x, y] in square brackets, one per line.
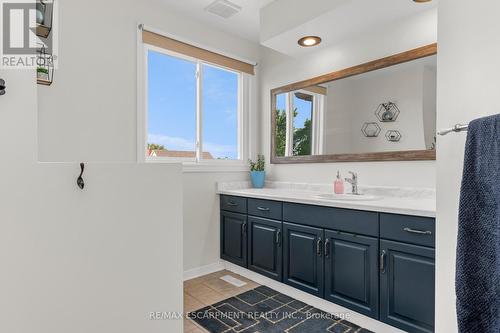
[354, 174]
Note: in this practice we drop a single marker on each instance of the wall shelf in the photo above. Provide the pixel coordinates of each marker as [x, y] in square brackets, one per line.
[43, 82]
[387, 112]
[43, 31]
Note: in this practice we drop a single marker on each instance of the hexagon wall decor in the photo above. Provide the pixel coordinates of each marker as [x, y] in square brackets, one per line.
[387, 112]
[393, 136]
[371, 130]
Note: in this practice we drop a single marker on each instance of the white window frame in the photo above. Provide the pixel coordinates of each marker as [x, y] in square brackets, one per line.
[192, 164]
[317, 119]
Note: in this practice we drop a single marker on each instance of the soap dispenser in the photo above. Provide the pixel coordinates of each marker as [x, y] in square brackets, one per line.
[338, 187]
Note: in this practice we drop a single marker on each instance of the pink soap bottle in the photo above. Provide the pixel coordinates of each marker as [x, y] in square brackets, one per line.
[338, 187]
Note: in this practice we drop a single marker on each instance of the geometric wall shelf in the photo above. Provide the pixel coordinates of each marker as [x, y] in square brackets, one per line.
[393, 136]
[371, 130]
[45, 67]
[387, 112]
[44, 17]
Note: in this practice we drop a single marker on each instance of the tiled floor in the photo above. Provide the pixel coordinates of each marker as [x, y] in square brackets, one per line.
[207, 290]
[267, 310]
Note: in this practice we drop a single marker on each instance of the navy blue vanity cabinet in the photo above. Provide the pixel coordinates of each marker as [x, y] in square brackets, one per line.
[407, 286]
[265, 208]
[346, 220]
[233, 204]
[407, 272]
[265, 255]
[378, 264]
[303, 258]
[408, 229]
[351, 271]
[233, 238]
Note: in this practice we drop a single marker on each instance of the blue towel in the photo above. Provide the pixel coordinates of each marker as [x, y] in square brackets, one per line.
[478, 250]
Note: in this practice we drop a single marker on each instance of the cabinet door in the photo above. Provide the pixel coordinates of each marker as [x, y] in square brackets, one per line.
[233, 238]
[303, 258]
[265, 255]
[351, 272]
[407, 286]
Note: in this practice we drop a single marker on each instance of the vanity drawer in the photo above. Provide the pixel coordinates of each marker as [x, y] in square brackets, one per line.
[408, 229]
[339, 219]
[233, 204]
[265, 208]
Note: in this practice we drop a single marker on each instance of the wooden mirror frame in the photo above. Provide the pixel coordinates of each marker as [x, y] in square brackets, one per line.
[409, 155]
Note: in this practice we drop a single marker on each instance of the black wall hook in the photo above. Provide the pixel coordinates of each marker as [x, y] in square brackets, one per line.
[79, 181]
[2, 87]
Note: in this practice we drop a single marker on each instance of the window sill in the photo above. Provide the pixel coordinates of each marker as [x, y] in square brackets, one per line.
[213, 167]
[205, 167]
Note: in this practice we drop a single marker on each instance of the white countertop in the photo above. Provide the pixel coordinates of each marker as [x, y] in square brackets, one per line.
[405, 201]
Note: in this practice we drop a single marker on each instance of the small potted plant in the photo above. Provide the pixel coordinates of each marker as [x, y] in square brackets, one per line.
[42, 73]
[257, 172]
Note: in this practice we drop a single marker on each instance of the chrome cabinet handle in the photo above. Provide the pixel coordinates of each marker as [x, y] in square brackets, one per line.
[319, 242]
[418, 232]
[232, 203]
[263, 209]
[244, 228]
[382, 261]
[278, 238]
[327, 248]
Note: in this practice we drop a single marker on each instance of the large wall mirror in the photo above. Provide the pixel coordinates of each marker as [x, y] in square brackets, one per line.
[384, 110]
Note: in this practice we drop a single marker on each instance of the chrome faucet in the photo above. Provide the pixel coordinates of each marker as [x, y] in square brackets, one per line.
[354, 182]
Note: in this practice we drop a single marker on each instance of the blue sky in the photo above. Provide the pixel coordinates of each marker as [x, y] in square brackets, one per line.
[172, 106]
[304, 109]
[304, 112]
[281, 101]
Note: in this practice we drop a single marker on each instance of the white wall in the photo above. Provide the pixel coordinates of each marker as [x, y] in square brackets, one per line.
[201, 217]
[82, 261]
[278, 70]
[468, 86]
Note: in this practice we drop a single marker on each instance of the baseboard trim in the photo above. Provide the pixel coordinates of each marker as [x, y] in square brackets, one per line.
[204, 270]
[353, 317]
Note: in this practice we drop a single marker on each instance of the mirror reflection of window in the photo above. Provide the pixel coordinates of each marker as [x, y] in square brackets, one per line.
[298, 123]
[302, 123]
[281, 127]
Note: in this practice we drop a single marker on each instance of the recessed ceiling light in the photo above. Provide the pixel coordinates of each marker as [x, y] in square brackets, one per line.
[309, 41]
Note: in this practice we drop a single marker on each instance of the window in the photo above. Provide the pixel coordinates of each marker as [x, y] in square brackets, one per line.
[171, 101]
[220, 112]
[194, 108]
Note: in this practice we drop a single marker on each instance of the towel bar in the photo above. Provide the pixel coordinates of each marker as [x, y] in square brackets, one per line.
[457, 128]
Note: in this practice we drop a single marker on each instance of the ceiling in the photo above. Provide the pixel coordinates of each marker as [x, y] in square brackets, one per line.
[344, 19]
[285, 21]
[245, 24]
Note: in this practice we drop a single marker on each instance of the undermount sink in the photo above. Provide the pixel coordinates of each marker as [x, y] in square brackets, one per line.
[346, 197]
